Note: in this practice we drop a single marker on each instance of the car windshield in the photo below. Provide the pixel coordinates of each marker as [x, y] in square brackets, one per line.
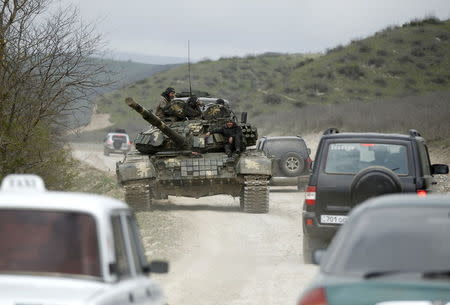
[349, 158]
[279, 147]
[119, 137]
[409, 239]
[34, 241]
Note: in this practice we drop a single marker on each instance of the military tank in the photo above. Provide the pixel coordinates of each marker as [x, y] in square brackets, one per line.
[176, 158]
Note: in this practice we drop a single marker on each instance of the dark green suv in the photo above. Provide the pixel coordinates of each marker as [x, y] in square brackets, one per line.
[352, 167]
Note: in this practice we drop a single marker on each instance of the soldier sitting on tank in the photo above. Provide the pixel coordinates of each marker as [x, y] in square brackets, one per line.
[192, 108]
[166, 97]
[233, 137]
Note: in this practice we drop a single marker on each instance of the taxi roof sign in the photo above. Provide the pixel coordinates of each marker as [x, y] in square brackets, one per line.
[22, 183]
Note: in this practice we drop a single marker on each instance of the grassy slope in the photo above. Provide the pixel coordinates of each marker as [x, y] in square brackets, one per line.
[400, 61]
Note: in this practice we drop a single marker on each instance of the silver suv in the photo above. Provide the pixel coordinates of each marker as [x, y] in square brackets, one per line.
[116, 142]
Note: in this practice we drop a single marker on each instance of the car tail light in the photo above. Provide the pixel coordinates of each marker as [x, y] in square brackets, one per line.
[314, 297]
[309, 221]
[421, 193]
[309, 162]
[310, 195]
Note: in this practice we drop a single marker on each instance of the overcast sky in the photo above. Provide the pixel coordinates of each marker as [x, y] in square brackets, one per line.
[219, 28]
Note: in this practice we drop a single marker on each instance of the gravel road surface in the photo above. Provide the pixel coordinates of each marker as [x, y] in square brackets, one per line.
[217, 254]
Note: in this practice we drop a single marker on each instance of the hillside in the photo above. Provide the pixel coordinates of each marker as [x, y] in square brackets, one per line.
[410, 60]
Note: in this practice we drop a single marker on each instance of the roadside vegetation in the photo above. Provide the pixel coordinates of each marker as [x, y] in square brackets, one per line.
[46, 70]
[393, 64]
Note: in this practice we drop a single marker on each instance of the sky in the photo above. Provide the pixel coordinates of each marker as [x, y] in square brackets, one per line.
[218, 28]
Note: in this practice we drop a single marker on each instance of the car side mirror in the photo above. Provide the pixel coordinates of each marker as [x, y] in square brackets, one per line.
[317, 256]
[156, 267]
[309, 151]
[244, 117]
[439, 169]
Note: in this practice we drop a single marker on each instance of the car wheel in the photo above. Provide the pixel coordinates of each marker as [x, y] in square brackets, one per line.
[310, 244]
[374, 181]
[292, 164]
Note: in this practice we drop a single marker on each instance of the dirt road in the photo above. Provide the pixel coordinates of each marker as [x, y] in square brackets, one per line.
[217, 254]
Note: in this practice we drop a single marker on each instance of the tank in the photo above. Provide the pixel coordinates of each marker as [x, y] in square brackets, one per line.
[175, 157]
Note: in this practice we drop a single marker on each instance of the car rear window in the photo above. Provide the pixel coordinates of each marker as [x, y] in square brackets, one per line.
[33, 241]
[280, 147]
[119, 137]
[409, 239]
[349, 158]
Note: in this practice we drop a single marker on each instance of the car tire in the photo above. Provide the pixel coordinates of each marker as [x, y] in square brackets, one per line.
[292, 164]
[374, 181]
[310, 244]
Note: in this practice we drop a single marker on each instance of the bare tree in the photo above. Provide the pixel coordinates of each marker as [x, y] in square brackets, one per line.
[46, 69]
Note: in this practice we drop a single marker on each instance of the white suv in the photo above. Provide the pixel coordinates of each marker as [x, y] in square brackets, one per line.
[70, 248]
[116, 142]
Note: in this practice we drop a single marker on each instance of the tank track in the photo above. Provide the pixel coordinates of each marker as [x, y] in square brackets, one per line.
[254, 196]
[138, 195]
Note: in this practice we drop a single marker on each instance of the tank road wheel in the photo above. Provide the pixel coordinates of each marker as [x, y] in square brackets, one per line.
[138, 195]
[255, 194]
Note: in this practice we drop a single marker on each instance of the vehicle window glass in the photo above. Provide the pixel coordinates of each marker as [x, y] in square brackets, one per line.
[279, 148]
[122, 259]
[403, 242]
[425, 161]
[48, 242]
[119, 138]
[349, 158]
[136, 244]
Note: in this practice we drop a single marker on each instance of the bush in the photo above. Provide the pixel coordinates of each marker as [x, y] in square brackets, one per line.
[382, 53]
[317, 88]
[364, 49]
[396, 73]
[272, 99]
[335, 49]
[351, 71]
[404, 59]
[380, 82]
[439, 80]
[417, 52]
[376, 62]
[421, 66]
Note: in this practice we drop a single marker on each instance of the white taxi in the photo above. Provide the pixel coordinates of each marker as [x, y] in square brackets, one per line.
[70, 248]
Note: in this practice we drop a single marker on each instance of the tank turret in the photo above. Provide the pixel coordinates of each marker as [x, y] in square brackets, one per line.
[155, 121]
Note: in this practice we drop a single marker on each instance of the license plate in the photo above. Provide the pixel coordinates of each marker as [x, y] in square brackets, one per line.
[337, 219]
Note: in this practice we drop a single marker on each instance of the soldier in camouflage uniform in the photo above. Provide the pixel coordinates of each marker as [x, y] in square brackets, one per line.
[233, 137]
[167, 96]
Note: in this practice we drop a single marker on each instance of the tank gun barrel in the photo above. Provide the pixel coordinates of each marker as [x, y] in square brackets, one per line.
[155, 121]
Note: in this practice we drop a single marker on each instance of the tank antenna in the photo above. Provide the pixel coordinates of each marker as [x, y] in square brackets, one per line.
[189, 69]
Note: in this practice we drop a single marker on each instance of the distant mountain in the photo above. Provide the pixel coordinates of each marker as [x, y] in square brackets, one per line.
[144, 58]
[302, 90]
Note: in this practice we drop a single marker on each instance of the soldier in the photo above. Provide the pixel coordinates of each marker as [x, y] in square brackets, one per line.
[192, 108]
[233, 137]
[167, 96]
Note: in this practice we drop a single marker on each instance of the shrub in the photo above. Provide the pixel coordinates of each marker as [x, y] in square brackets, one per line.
[376, 62]
[421, 66]
[418, 52]
[335, 49]
[396, 73]
[382, 53]
[398, 40]
[317, 88]
[404, 59]
[273, 99]
[351, 71]
[439, 80]
[300, 104]
[364, 49]
[380, 82]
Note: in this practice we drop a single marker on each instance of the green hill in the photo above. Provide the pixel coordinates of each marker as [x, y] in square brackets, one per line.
[410, 60]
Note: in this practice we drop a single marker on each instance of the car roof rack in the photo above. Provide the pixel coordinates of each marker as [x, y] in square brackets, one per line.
[414, 133]
[331, 131]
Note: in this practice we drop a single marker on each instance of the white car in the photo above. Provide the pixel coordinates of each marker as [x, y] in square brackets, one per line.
[116, 142]
[70, 248]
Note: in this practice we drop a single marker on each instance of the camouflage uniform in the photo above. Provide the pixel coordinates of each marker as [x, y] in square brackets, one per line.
[163, 102]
